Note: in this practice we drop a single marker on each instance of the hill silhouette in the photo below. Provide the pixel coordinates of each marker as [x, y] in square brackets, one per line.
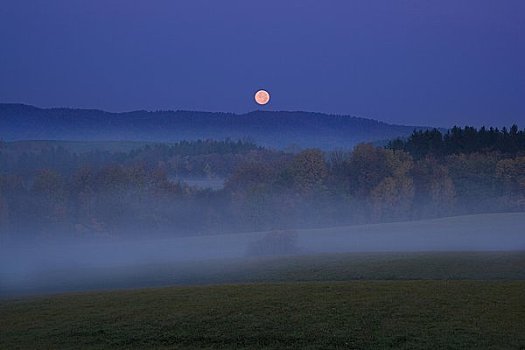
[268, 128]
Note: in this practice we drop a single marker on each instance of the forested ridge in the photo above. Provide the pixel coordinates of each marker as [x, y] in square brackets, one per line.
[51, 190]
[276, 129]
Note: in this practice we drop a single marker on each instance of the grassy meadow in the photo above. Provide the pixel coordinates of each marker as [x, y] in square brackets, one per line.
[304, 315]
[329, 301]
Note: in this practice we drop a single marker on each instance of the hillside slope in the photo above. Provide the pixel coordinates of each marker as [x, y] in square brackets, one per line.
[268, 128]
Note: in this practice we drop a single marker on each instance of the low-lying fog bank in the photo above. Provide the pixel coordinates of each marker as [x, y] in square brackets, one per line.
[25, 266]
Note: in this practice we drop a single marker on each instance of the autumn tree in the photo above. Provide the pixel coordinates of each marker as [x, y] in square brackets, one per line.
[49, 191]
[435, 193]
[4, 214]
[475, 181]
[392, 197]
[366, 168]
[309, 171]
[512, 173]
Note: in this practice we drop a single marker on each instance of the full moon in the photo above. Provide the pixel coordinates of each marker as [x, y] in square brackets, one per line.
[262, 97]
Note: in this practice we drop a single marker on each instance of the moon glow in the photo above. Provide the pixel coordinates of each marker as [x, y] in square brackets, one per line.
[262, 97]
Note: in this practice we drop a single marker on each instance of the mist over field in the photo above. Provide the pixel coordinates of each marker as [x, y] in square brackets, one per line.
[66, 264]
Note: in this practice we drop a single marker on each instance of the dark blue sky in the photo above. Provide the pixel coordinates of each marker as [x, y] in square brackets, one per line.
[419, 62]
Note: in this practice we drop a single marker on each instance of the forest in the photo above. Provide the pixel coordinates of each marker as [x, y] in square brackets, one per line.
[53, 191]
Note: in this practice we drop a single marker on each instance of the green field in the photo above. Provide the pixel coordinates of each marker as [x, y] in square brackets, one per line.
[358, 314]
[372, 301]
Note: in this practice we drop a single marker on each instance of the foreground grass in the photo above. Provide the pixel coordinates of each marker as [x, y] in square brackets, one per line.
[352, 314]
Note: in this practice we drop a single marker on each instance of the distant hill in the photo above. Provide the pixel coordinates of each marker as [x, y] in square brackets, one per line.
[267, 128]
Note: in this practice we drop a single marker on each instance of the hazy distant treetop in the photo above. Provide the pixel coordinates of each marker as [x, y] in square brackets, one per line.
[462, 140]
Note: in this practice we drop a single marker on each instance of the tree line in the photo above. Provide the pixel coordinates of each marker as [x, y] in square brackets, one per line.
[462, 140]
[184, 158]
[136, 193]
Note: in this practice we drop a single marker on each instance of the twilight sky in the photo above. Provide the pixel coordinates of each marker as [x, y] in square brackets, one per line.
[432, 62]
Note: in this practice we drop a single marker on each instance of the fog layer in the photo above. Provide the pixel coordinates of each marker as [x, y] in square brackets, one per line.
[52, 265]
